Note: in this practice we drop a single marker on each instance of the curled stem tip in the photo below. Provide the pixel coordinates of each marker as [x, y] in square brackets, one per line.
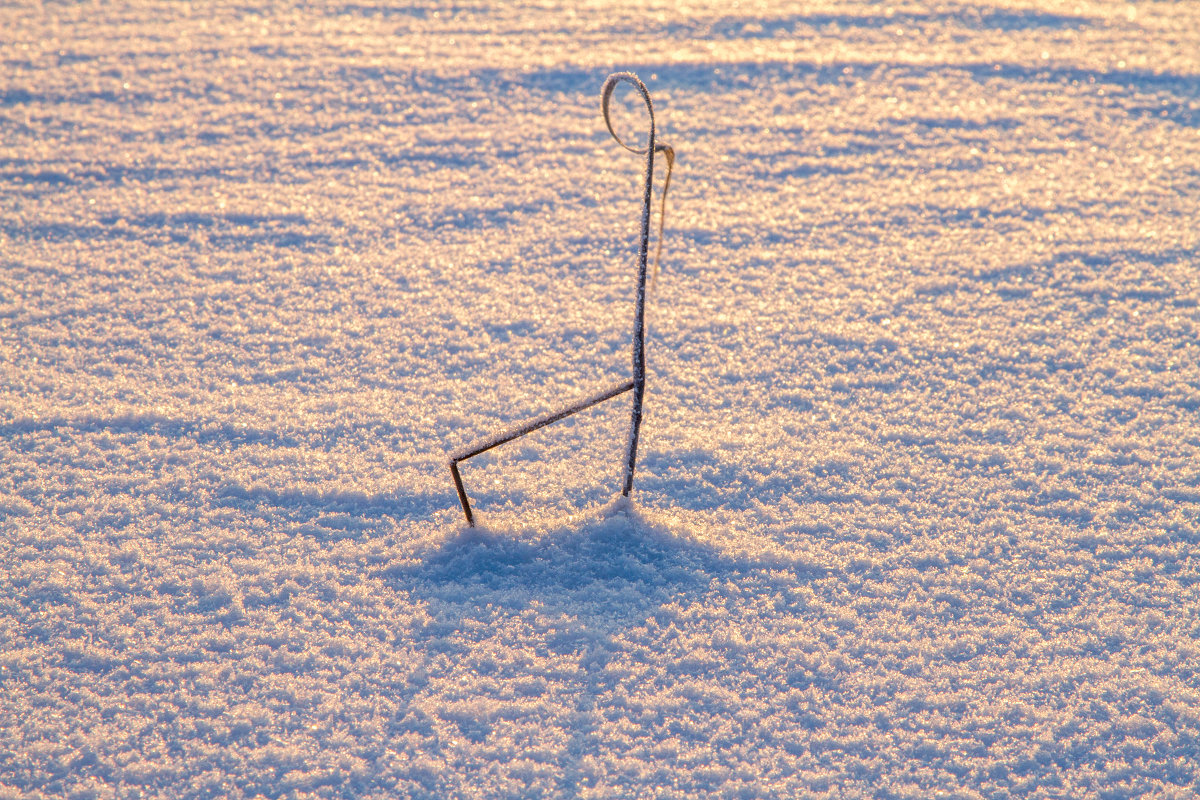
[667, 150]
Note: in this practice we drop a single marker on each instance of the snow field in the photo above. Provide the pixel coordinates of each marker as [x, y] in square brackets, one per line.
[918, 502]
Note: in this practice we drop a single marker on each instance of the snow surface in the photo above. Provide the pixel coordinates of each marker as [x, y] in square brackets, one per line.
[917, 512]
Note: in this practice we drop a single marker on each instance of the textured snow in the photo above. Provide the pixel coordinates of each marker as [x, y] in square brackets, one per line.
[917, 508]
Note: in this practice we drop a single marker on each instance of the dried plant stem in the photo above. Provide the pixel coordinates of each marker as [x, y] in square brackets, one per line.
[638, 383]
[529, 426]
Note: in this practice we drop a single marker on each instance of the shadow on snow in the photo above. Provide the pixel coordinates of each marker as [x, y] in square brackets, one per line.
[598, 586]
[607, 571]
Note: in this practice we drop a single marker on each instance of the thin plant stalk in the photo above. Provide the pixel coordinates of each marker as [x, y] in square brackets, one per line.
[637, 384]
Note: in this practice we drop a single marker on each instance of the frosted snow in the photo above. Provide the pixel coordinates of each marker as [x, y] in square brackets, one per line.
[917, 509]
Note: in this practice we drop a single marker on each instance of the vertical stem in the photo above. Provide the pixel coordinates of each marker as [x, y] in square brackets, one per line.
[639, 318]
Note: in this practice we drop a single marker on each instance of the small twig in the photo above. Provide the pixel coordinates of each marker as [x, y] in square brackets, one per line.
[638, 382]
[529, 426]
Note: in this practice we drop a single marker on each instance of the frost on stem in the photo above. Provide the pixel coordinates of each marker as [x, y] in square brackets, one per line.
[638, 382]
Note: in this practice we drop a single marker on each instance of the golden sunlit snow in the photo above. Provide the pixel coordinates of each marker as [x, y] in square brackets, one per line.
[917, 508]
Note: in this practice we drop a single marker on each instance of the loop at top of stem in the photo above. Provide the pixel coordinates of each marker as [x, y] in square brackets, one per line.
[606, 97]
